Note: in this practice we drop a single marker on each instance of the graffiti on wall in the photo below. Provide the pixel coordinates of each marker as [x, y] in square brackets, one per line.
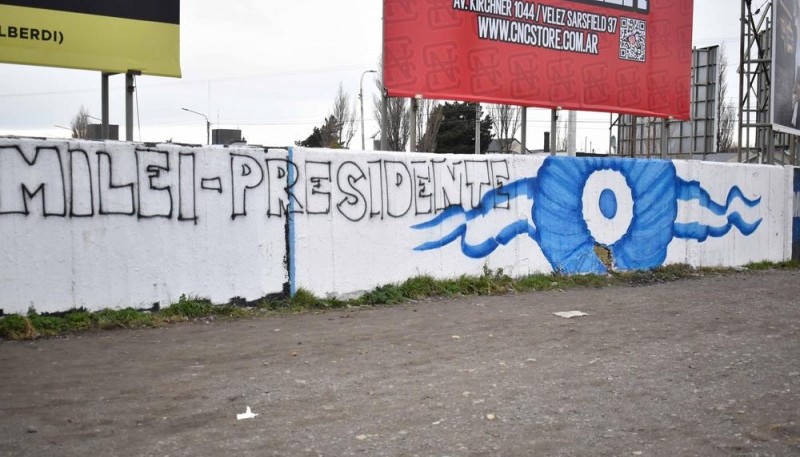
[132, 217]
[140, 182]
[147, 183]
[627, 208]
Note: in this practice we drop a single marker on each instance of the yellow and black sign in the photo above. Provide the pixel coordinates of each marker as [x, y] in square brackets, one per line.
[114, 36]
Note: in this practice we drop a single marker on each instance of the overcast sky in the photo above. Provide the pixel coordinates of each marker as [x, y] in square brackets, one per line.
[271, 69]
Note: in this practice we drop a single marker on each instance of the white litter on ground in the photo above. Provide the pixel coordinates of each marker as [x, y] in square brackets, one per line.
[570, 314]
[246, 415]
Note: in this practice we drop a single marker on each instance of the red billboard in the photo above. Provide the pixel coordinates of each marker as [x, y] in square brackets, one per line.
[622, 56]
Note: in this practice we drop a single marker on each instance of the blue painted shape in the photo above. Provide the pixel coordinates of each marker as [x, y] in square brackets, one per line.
[701, 232]
[561, 230]
[508, 192]
[608, 203]
[796, 230]
[481, 250]
[797, 180]
[796, 220]
[522, 187]
[691, 190]
[558, 213]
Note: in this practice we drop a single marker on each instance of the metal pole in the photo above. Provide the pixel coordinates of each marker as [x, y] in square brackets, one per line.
[412, 120]
[770, 158]
[610, 132]
[742, 30]
[524, 132]
[384, 92]
[129, 106]
[477, 128]
[361, 99]
[384, 120]
[553, 128]
[104, 105]
[664, 138]
[633, 136]
[208, 124]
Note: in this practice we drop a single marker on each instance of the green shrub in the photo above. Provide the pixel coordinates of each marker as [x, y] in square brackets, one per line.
[16, 327]
[189, 308]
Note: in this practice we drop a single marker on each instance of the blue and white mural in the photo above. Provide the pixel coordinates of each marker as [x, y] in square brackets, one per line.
[628, 207]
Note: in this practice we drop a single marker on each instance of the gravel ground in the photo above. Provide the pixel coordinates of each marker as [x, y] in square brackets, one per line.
[701, 367]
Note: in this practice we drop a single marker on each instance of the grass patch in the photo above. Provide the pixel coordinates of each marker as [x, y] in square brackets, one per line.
[491, 282]
[786, 265]
[189, 308]
[16, 327]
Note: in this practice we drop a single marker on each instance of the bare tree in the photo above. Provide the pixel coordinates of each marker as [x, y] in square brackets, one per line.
[80, 123]
[344, 114]
[505, 122]
[398, 125]
[726, 111]
[429, 119]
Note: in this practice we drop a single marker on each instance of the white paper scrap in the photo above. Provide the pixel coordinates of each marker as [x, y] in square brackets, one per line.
[570, 314]
[246, 415]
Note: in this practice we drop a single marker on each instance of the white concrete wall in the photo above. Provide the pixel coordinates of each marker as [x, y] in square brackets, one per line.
[365, 238]
[336, 255]
[117, 224]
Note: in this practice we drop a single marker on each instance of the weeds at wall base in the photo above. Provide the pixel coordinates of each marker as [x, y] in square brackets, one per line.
[492, 282]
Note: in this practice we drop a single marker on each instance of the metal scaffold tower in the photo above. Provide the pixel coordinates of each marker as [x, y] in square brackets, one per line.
[758, 141]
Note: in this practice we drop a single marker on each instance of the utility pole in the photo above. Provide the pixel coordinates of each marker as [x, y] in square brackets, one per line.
[361, 99]
[208, 124]
[572, 132]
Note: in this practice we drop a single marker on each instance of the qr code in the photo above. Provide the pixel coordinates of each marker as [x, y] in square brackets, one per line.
[632, 39]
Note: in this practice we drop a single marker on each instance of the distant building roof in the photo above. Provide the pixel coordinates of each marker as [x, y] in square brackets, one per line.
[497, 145]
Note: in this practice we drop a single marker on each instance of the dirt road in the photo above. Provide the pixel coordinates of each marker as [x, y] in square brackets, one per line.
[705, 367]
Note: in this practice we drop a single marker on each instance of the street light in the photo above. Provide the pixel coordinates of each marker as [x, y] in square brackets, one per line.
[361, 99]
[208, 124]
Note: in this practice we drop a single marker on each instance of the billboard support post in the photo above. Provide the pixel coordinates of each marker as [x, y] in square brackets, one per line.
[129, 88]
[478, 128]
[104, 104]
[524, 131]
[412, 124]
[384, 120]
[664, 138]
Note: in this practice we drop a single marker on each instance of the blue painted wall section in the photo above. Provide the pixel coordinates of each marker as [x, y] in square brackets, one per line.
[562, 233]
[796, 218]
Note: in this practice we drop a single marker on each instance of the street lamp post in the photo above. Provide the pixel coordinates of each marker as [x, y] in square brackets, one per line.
[361, 99]
[208, 124]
